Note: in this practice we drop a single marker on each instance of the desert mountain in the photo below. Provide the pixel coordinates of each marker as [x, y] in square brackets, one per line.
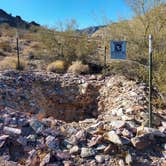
[15, 21]
[91, 30]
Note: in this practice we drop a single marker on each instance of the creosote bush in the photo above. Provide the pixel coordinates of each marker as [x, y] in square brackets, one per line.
[78, 68]
[12, 63]
[57, 66]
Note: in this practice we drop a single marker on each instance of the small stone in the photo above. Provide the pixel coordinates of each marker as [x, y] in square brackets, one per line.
[12, 131]
[162, 129]
[3, 139]
[74, 150]
[128, 159]
[118, 124]
[93, 77]
[81, 135]
[121, 162]
[101, 147]
[154, 132]
[141, 142]
[45, 160]
[37, 126]
[31, 138]
[133, 94]
[164, 146]
[113, 137]
[127, 133]
[47, 122]
[71, 131]
[51, 142]
[146, 130]
[107, 149]
[92, 163]
[117, 112]
[97, 125]
[34, 161]
[87, 152]
[126, 118]
[163, 123]
[111, 149]
[92, 129]
[22, 140]
[95, 140]
[22, 122]
[68, 163]
[129, 111]
[73, 140]
[100, 158]
[63, 155]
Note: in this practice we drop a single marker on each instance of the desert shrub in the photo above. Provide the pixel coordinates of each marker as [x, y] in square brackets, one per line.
[2, 53]
[78, 68]
[95, 68]
[159, 103]
[130, 69]
[57, 66]
[11, 63]
[5, 46]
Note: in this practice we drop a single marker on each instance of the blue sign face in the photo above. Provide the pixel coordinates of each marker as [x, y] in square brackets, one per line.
[118, 49]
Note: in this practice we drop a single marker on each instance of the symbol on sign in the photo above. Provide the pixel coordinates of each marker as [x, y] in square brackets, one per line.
[118, 49]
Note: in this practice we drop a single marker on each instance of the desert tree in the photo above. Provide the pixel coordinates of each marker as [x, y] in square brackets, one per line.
[142, 8]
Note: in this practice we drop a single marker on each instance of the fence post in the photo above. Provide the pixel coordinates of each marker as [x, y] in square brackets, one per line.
[18, 53]
[105, 60]
[150, 79]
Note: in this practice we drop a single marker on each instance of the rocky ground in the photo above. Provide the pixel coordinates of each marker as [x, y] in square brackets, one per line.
[51, 119]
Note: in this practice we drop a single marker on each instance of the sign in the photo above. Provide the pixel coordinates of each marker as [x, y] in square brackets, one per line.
[118, 49]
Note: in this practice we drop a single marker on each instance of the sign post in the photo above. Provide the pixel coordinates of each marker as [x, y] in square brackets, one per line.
[150, 80]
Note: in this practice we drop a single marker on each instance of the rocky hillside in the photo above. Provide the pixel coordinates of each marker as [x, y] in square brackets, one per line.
[72, 120]
[91, 30]
[14, 21]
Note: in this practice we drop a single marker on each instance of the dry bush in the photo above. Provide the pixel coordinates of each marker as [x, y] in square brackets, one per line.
[78, 68]
[11, 63]
[2, 53]
[5, 46]
[58, 66]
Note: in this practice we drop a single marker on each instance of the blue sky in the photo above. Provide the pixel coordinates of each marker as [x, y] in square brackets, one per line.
[86, 12]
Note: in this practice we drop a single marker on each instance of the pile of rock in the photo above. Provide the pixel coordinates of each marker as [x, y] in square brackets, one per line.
[123, 99]
[66, 97]
[26, 140]
[118, 135]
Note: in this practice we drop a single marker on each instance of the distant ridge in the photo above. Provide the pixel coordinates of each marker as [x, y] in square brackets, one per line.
[90, 30]
[15, 21]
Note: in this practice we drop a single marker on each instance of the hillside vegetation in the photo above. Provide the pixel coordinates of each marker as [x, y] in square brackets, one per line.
[136, 32]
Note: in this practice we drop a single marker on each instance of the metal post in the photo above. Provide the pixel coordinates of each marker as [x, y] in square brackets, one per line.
[18, 53]
[105, 60]
[150, 80]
